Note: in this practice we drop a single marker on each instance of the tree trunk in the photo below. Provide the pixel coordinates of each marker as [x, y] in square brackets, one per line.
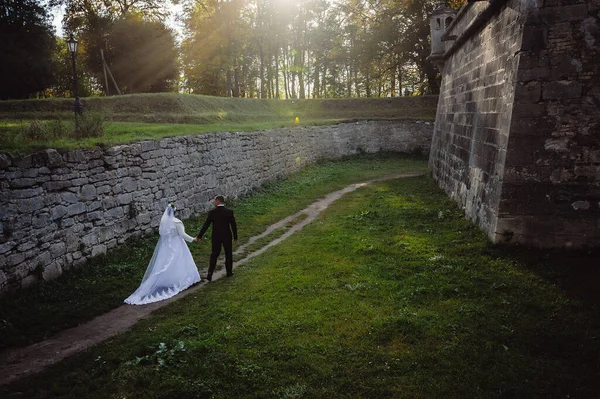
[262, 73]
[236, 79]
[277, 72]
[229, 85]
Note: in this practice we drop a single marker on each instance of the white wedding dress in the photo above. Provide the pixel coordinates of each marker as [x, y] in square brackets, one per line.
[172, 268]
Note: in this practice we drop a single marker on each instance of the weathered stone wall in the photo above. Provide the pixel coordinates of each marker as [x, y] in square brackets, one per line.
[474, 111]
[551, 187]
[517, 133]
[58, 209]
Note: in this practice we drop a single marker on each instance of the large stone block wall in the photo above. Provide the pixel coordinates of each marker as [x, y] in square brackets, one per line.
[517, 133]
[474, 112]
[58, 209]
[551, 187]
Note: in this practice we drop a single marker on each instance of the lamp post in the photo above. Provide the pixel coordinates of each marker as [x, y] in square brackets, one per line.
[77, 105]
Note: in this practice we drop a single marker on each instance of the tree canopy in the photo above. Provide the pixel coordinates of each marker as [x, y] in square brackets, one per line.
[27, 46]
[308, 48]
[240, 48]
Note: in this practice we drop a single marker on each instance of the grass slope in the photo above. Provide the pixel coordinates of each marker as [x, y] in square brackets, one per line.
[390, 294]
[131, 118]
[200, 109]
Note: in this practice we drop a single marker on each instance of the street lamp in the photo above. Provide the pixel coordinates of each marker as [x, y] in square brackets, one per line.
[77, 105]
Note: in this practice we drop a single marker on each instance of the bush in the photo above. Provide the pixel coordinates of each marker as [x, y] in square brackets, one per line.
[89, 125]
[37, 130]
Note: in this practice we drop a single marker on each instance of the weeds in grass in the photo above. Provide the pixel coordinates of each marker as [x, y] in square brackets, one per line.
[163, 355]
[89, 125]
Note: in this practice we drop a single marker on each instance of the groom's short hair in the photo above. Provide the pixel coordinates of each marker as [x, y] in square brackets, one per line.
[220, 198]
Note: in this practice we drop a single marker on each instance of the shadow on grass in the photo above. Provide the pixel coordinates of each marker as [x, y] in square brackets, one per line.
[576, 272]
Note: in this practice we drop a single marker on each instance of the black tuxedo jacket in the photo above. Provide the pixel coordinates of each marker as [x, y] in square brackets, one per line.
[223, 223]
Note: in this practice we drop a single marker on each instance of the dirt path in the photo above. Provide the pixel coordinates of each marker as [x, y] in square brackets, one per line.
[21, 362]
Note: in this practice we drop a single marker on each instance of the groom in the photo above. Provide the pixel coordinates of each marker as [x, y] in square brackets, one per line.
[222, 219]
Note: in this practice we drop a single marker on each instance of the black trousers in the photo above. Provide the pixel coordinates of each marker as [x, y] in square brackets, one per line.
[216, 251]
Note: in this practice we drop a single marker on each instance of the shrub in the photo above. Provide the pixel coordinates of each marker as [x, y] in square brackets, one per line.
[36, 130]
[90, 124]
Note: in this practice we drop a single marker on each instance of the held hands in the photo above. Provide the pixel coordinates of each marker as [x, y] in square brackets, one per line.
[196, 239]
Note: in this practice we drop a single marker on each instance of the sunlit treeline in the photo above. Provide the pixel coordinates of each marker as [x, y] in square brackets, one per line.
[307, 48]
[240, 48]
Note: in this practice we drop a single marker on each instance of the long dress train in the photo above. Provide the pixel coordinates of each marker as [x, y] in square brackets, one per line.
[171, 269]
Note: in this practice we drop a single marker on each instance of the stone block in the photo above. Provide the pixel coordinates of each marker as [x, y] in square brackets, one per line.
[76, 209]
[58, 249]
[53, 158]
[98, 250]
[5, 161]
[57, 185]
[114, 213]
[109, 202]
[32, 173]
[76, 156]
[52, 271]
[531, 126]
[561, 90]
[91, 239]
[69, 198]
[30, 205]
[124, 199]
[96, 215]
[64, 223]
[23, 162]
[536, 74]
[528, 92]
[94, 206]
[106, 234]
[15, 259]
[23, 182]
[3, 280]
[88, 192]
[41, 220]
[104, 189]
[99, 177]
[129, 185]
[80, 181]
[528, 110]
[7, 246]
[563, 13]
[25, 193]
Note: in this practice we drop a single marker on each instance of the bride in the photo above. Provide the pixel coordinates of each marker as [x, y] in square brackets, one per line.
[171, 269]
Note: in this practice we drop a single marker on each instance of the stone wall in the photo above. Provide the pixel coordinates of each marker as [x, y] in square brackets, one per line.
[517, 133]
[58, 209]
[474, 112]
[551, 188]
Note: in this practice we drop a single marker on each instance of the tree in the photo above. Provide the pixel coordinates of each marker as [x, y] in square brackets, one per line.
[304, 48]
[63, 77]
[26, 44]
[214, 52]
[78, 12]
[142, 55]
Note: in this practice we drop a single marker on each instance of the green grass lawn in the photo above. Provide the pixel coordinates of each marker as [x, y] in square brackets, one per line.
[103, 283]
[391, 293]
[15, 138]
